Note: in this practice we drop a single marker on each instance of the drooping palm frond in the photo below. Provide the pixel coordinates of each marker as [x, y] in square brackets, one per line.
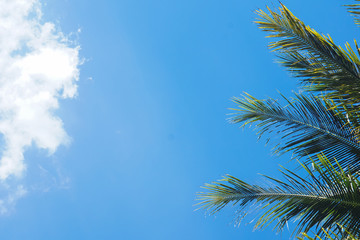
[354, 9]
[306, 126]
[326, 198]
[316, 59]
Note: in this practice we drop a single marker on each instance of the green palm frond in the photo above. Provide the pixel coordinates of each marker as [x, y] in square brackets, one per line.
[330, 235]
[326, 198]
[354, 9]
[316, 59]
[306, 126]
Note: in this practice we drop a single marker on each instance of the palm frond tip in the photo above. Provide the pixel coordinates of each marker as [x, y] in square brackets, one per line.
[316, 59]
[354, 9]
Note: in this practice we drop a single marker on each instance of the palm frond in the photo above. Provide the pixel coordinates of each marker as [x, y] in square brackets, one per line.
[354, 9]
[326, 198]
[316, 59]
[330, 235]
[306, 126]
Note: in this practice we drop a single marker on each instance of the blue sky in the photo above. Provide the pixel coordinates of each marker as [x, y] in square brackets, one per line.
[123, 157]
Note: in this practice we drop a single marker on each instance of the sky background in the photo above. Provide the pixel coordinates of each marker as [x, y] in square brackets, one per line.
[147, 125]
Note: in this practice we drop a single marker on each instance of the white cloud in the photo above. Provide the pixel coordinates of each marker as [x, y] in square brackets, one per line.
[8, 202]
[37, 68]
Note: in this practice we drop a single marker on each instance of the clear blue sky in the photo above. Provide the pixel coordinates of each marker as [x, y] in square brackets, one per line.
[148, 125]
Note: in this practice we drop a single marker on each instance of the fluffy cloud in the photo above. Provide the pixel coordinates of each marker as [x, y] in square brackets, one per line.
[38, 66]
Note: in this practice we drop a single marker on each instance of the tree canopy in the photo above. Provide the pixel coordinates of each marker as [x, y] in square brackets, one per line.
[320, 126]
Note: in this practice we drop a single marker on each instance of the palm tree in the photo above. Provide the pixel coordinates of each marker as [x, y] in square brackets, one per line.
[320, 126]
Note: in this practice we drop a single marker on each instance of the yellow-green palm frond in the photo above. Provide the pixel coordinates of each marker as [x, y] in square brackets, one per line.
[330, 235]
[307, 126]
[316, 59]
[354, 9]
[325, 198]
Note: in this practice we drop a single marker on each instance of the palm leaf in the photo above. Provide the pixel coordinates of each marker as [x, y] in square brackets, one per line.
[330, 235]
[306, 126]
[316, 59]
[326, 198]
[354, 9]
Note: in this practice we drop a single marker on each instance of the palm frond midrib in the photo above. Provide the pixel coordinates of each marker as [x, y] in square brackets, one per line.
[331, 198]
[336, 136]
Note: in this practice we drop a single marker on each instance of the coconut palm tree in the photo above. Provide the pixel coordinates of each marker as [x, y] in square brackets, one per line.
[320, 126]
